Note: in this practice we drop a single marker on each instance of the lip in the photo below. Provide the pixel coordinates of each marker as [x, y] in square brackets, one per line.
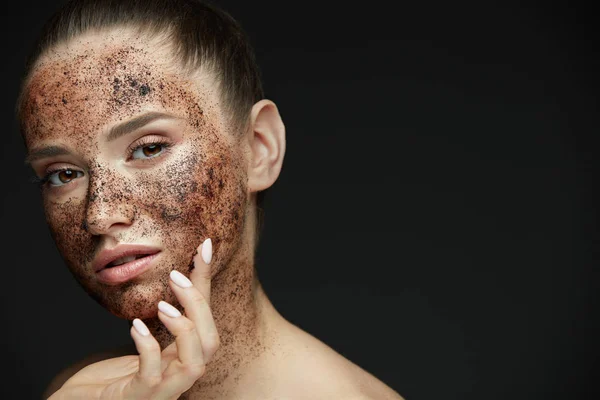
[125, 271]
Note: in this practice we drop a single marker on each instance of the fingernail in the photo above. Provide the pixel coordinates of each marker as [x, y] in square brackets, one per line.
[168, 309]
[180, 279]
[140, 327]
[207, 251]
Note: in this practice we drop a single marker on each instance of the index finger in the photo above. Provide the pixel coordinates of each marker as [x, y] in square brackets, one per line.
[200, 275]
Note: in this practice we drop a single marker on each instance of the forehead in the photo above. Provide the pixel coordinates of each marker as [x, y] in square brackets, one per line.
[97, 80]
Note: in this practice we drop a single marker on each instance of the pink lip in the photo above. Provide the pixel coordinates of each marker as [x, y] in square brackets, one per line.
[127, 271]
[124, 272]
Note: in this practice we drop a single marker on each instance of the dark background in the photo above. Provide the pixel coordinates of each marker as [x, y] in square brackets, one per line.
[434, 221]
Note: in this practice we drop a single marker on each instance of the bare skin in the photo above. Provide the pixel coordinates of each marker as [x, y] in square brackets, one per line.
[185, 176]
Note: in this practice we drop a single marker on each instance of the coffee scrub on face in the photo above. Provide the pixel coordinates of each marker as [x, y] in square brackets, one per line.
[171, 183]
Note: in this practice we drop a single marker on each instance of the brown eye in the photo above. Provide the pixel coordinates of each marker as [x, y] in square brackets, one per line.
[64, 176]
[150, 150]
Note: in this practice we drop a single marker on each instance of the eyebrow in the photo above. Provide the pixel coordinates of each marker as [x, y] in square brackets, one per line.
[114, 133]
[44, 152]
[136, 123]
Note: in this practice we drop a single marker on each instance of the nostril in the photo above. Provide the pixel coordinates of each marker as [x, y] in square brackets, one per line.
[84, 226]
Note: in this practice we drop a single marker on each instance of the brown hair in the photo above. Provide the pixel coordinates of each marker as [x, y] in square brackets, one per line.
[201, 35]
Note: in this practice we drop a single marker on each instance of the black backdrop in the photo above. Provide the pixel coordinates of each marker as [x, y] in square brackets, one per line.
[434, 221]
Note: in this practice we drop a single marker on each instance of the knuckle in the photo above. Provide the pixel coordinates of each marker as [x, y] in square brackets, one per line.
[150, 346]
[194, 370]
[197, 297]
[187, 326]
[213, 342]
[152, 380]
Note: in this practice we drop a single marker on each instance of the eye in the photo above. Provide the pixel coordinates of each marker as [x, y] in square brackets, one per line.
[62, 176]
[148, 150]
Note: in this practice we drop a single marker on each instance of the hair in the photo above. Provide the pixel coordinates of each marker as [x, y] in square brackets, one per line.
[201, 35]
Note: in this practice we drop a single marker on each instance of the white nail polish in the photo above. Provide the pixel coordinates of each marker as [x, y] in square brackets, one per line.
[180, 279]
[207, 251]
[168, 309]
[140, 327]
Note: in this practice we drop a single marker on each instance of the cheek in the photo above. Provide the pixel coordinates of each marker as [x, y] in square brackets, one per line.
[197, 197]
[65, 221]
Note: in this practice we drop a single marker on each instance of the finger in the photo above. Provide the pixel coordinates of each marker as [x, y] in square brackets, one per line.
[187, 338]
[167, 355]
[149, 373]
[201, 274]
[198, 311]
[177, 379]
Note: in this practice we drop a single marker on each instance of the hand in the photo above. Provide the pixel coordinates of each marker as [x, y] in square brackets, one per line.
[155, 374]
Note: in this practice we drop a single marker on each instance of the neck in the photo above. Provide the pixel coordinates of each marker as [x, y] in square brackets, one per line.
[245, 321]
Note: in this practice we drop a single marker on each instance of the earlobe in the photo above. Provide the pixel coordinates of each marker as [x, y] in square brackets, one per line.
[267, 145]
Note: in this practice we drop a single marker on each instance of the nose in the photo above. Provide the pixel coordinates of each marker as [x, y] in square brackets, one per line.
[108, 209]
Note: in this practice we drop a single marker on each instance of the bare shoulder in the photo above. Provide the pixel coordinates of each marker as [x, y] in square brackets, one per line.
[64, 375]
[312, 369]
[353, 382]
[371, 388]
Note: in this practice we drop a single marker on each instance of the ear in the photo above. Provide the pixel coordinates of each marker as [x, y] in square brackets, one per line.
[266, 139]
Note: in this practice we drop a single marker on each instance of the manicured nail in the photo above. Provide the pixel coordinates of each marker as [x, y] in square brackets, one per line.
[140, 327]
[180, 279]
[207, 251]
[168, 309]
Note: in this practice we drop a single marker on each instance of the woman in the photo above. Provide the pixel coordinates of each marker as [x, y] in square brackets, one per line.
[147, 127]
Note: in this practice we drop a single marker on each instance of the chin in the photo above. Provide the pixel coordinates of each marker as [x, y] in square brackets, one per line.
[136, 299]
[129, 315]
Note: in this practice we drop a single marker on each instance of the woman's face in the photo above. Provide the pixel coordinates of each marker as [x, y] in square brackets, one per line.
[168, 180]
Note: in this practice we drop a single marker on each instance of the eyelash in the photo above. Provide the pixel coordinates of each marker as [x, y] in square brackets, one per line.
[46, 178]
[166, 146]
